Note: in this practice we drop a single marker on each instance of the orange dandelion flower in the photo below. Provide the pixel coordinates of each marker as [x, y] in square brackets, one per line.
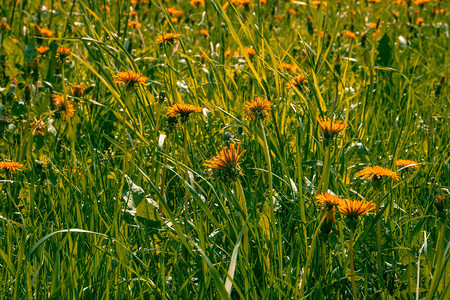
[197, 3]
[250, 51]
[406, 163]
[63, 105]
[134, 24]
[288, 67]
[204, 56]
[168, 38]
[133, 13]
[227, 161]
[352, 209]
[377, 173]
[328, 202]
[105, 8]
[278, 17]
[421, 2]
[78, 90]
[331, 127]
[420, 21]
[175, 12]
[42, 49]
[11, 166]
[400, 2]
[129, 79]
[228, 53]
[257, 108]
[204, 32]
[4, 25]
[43, 31]
[298, 81]
[234, 2]
[349, 34]
[246, 4]
[182, 110]
[63, 53]
[317, 3]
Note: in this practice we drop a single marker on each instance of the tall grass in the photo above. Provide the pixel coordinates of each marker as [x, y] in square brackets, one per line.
[116, 202]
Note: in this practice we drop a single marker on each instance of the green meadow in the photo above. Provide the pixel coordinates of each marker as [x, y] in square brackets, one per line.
[224, 149]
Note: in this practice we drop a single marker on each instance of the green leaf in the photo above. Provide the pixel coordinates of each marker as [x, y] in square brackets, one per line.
[384, 51]
[15, 57]
[29, 52]
[148, 210]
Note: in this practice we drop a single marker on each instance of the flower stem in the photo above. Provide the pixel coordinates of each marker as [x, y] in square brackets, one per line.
[324, 181]
[324, 257]
[308, 259]
[269, 170]
[300, 188]
[186, 174]
[379, 261]
[242, 203]
[163, 175]
[269, 164]
[352, 266]
[68, 119]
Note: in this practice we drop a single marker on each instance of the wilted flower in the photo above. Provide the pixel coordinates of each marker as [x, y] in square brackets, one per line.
[257, 108]
[129, 79]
